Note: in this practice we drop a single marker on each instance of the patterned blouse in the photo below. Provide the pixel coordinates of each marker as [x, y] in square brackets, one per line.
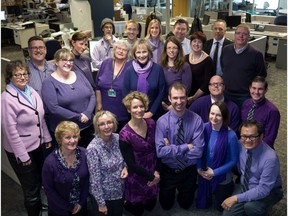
[105, 164]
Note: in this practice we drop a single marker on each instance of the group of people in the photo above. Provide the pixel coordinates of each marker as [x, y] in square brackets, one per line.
[161, 116]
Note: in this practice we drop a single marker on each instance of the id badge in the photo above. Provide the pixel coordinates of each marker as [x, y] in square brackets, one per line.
[111, 93]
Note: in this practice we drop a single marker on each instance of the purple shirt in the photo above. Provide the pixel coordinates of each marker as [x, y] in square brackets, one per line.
[58, 182]
[202, 105]
[37, 76]
[105, 82]
[82, 64]
[105, 165]
[67, 102]
[166, 127]
[267, 114]
[264, 173]
[184, 76]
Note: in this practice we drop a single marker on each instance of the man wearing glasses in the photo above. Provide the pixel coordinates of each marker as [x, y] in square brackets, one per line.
[240, 63]
[261, 182]
[39, 68]
[202, 105]
[215, 45]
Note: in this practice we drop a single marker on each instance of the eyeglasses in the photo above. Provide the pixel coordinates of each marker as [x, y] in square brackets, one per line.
[19, 75]
[241, 34]
[216, 84]
[251, 138]
[104, 124]
[67, 60]
[41, 48]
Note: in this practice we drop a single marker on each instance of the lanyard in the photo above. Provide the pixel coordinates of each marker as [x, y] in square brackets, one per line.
[118, 74]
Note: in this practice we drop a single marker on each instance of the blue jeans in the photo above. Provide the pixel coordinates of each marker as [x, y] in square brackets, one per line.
[257, 207]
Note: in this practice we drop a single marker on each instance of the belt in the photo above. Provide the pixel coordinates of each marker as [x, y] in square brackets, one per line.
[177, 171]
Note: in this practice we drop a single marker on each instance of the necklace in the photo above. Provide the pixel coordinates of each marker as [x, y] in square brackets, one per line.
[193, 59]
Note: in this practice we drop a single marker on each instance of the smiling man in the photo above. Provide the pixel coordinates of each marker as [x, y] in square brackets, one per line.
[180, 31]
[260, 186]
[39, 68]
[240, 63]
[179, 144]
[258, 107]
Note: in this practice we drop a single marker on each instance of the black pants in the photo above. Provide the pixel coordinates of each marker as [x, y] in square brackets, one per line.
[138, 209]
[184, 182]
[30, 179]
[114, 207]
[221, 193]
[82, 212]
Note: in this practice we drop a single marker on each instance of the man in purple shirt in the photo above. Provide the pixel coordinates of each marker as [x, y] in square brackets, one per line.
[202, 105]
[263, 181]
[178, 156]
[265, 111]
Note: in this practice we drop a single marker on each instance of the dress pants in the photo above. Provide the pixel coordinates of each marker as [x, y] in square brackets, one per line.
[30, 179]
[185, 183]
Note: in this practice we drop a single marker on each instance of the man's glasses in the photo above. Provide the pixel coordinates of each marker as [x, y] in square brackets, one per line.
[41, 48]
[216, 84]
[251, 138]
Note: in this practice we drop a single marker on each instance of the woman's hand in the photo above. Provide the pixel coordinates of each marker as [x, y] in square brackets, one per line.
[208, 174]
[84, 119]
[148, 115]
[48, 145]
[124, 173]
[155, 180]
[76, 208]
[103, 209]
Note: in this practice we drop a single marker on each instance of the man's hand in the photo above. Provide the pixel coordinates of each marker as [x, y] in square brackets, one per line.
[229, 202]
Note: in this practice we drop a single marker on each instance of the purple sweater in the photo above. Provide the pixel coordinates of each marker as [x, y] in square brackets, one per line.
[104, 83]
[67, 102]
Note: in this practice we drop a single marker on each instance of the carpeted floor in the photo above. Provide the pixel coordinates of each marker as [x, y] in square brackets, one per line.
[11, 194]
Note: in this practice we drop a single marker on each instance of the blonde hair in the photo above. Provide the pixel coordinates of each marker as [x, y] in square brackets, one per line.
[141, 42]
[153, 21]
[63, 53]
[66, 127]
[100, 114]
[136, 95]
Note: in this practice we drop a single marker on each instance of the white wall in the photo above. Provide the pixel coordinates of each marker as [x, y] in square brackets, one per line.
[81, 15]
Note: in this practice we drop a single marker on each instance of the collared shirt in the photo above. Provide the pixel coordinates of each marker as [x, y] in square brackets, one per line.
[37, 76]
[239, 51]
[193, 133]
[264, 173]
[218, 69]
[105, 164]
[186, 46]
[102, 51]
[266, 113]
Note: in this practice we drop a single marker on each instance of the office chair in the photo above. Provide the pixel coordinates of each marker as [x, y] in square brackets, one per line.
[281, 20]
[52, 46]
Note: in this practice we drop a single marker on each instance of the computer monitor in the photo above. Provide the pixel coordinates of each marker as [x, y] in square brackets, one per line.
[233, 21]
[248, 18]
[222, 15]
[206, 19]
[16, 10]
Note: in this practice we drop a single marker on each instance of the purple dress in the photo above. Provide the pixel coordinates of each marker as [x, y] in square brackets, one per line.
[140, 155]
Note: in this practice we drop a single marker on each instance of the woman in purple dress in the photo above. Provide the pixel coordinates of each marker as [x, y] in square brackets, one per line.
[137, 145]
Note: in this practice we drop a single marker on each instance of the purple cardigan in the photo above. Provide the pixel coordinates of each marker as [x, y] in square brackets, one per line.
[57, 182]
[23, 126]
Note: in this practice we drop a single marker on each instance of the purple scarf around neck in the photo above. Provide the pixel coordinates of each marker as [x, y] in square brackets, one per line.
[157, 48]
[143, 73]
[205, 187]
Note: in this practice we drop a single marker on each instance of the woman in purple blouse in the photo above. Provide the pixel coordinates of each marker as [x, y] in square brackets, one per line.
[137, 144]
[174, 66]
[65, 174]
[106, 165]
[68, 95]
[154, 38]
[110, 82]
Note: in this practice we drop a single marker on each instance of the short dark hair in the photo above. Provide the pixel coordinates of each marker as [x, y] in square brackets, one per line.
[177, 86]
[182, 21]
[79, 36]
[251, 123]
[35, 38]
[261, 80]
[198, 35]
[11, 67]
[224, 111]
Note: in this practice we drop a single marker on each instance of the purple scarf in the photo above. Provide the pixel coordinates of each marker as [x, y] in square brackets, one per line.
[205, 187]
[157, 48]
[143, 73]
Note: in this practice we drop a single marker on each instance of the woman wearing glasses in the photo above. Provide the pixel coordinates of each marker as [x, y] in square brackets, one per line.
[174, 66]
[106, 166]
[110, 82]
[24, 130]
[220, 154]
[68, 95]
